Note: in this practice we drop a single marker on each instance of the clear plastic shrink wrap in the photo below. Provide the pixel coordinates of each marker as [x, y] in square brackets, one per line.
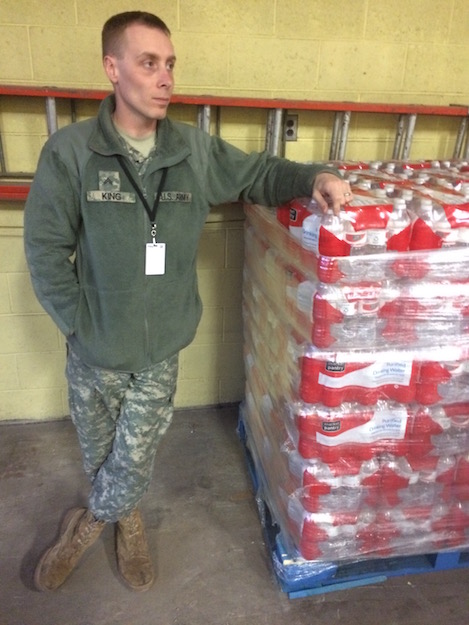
[357, 364]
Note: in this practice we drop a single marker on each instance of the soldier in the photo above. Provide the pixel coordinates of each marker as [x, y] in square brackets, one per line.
[112, 225]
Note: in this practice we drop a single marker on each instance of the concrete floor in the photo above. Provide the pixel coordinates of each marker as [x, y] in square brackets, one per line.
[204, 529]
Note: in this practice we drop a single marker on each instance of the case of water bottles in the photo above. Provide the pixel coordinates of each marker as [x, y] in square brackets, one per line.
[357, 364]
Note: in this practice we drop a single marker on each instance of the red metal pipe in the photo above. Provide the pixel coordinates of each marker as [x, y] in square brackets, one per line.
[14, 192]
[457, 110]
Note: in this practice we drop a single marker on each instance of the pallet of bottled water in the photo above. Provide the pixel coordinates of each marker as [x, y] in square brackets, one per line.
[357, 364]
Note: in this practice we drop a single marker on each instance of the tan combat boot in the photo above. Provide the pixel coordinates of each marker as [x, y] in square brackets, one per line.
[78, 532]
[133, 559]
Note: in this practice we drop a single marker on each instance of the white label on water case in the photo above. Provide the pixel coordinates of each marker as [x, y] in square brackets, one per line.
[155, 257]
[390, 424]
[371, 376]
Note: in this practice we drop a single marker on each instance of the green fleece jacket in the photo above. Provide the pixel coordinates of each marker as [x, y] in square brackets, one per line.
[86, 230]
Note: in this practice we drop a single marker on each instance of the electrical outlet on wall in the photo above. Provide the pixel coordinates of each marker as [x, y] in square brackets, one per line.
[291, 128]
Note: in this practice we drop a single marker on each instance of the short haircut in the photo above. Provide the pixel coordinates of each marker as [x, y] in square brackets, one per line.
[114, 29]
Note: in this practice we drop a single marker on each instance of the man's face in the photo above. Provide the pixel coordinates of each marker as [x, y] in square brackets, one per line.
[142, 76]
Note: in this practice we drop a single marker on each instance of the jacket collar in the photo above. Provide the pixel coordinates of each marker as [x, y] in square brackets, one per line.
[171, 145]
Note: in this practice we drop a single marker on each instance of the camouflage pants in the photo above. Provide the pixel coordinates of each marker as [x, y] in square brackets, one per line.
[119, 418]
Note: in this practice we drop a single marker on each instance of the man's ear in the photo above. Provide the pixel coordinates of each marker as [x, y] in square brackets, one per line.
[109, 64]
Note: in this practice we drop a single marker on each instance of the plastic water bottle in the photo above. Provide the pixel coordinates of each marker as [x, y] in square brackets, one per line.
[390, 189]
[357, 239]
[447, 236]
[324, 235]
[368, 216]
[375, 241]
[424, 236]
[446, 381]
[332, 239]
[346, 316]
[305, 293]
[299, 210]
[351, 333]
[310, 233]
[399, 227]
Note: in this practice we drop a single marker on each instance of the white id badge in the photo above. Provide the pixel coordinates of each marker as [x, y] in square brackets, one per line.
[155, 259]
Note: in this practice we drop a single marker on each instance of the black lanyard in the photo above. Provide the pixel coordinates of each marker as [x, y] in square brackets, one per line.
[151, 212]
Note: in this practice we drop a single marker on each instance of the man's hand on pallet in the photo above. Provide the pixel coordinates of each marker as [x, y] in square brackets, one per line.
[330, 191]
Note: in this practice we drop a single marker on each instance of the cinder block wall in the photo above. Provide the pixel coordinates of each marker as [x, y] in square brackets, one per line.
[413, 51]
